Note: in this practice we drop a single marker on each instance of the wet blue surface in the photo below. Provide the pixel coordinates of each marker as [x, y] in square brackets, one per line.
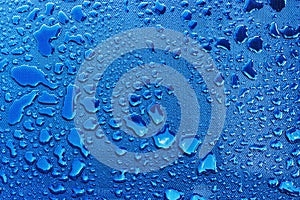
[255, 45]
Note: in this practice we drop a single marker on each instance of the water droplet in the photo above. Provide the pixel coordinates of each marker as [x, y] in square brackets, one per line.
[165, 138]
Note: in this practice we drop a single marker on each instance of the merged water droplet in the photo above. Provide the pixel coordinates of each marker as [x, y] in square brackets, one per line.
[165, 138]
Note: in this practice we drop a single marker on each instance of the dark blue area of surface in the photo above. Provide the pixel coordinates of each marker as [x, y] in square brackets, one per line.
[255, 44]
